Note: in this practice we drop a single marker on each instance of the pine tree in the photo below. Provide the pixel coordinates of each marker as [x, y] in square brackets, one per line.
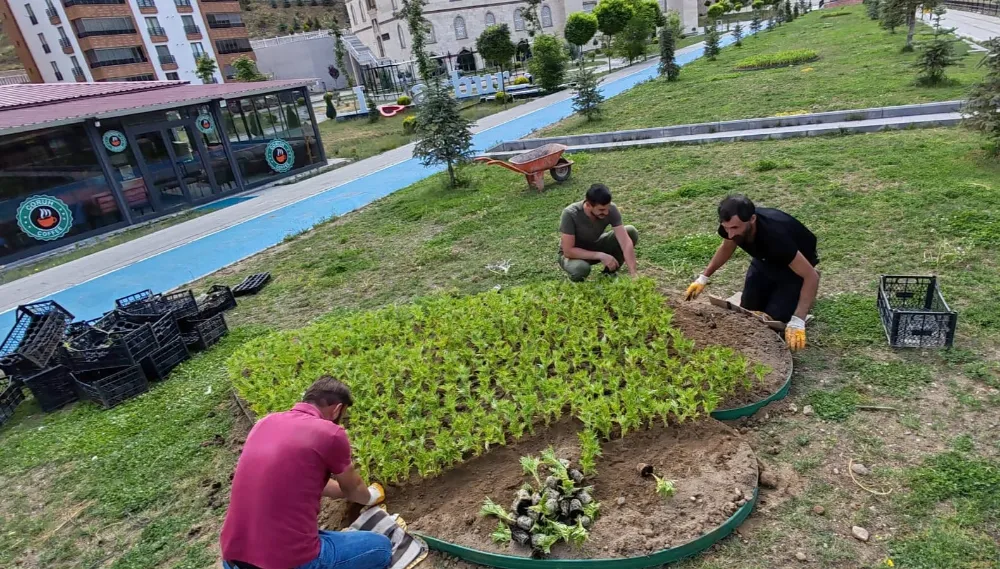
[936, 54]
[755, 22]
[892, 14]
[588, 98]
[795, 12]
[668, 61]
[981, 108]
[444, 135]
[712, 42]
[331, 109]
[788, 11]
[738, 34]
[872, 9]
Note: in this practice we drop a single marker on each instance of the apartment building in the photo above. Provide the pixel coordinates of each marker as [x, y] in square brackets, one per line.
[124, 40]
[455, 24]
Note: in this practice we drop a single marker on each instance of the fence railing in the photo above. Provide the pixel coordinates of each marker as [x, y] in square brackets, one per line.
[979, 6]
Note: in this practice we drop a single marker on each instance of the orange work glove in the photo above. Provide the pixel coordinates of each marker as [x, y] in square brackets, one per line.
[377, 494]
[696, 287]
[795, 334]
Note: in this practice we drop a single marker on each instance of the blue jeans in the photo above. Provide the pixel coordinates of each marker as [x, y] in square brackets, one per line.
[349, 550]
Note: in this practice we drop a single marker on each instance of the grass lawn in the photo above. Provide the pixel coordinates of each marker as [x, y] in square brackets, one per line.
[359, 139]
[145, 485]
[860, 65]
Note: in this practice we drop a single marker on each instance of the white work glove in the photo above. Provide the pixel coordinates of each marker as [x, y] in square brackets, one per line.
[376, 494]
[795, 334]
[696, 287]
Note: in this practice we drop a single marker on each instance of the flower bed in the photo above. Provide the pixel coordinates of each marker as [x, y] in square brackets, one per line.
[778, 59]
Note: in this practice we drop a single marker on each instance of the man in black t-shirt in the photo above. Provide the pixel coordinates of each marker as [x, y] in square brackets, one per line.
[782, 280]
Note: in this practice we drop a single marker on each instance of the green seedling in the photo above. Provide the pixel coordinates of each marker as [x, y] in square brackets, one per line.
[502, 535]
[491, 508]
[664, 488]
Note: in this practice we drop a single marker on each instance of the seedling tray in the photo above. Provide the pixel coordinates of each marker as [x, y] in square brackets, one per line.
[181, 303]
[220, 298]
[39, 329]
[252, 284]
[53, 388]
[159, 365]
[11, 395]
[98, 349]
[914, 314]
[111, 389]
[201, 334]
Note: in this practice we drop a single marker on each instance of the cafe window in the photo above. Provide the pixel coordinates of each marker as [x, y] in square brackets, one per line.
[58, 163]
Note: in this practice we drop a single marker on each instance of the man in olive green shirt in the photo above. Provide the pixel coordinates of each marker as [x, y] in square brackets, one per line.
[583, 241]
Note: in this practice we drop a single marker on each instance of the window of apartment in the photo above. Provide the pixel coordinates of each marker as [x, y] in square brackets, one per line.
[588, 7]
[225, 21]
[147, 4]
[86, 27]
[115, 56]
[173, 76]
[55, 67]
[189, 26]
[77, 70]
[402, 38]
[431, 36]
[45, 44]
[490, 19]
[394, 5]
[48, 4]
[163, 54]
[197, 50]
[354, 19]
[153, 26]
[62, 33]
[518, 20]
[460, 32]
[182, 3]
[364, 17]
[31, 14]
[241, 45]
[546, 17]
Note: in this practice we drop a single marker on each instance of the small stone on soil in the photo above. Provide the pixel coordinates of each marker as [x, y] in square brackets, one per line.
[859, 469]
[807, 410]
[801, 556]
[793, 408]
[818, 510]
[836, 471]
[620, 501]
[860, 533]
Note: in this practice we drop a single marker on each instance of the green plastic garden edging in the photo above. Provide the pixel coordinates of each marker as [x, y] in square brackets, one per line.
[661, 557]
[747, 410]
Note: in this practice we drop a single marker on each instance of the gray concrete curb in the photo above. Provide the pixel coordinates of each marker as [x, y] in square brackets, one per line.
[777, 133]
[649, 135]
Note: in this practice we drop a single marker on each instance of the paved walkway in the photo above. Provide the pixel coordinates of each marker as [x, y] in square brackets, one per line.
[185, 252]
[977, 27]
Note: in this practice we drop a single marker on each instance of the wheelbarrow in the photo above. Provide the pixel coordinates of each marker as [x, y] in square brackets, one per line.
[534, 163]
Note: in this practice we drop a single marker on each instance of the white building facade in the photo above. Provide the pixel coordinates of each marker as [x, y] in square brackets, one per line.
[455, 24]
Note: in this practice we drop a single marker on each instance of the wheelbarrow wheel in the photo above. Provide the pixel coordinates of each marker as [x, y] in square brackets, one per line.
[561, 171]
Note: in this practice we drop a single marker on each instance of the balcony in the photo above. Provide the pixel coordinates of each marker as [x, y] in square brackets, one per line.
[113, 62]
[218, 25]
[119, 70]
[46, 48]
[183, 6]
[79, 75]
[157, 34]
[66, 45]
[59, 76]
[118, 32]
[168, 60]
[70, 3]
[147, 6]
[192, 30]
[77, 9]
[235, 49]
[53, 16]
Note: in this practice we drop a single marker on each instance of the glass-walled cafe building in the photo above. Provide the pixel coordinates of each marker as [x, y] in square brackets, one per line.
[81, 159]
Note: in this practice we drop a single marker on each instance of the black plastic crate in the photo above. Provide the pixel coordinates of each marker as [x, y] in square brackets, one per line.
[164, 326]
[914, 314]
[201, 334]
[54, 388]
[159, 365]
[252, 284]
[101, 349]
[11, 395]
[182, 303]
[134, 298]
[38, 331]
[220, 298]
[110, 389]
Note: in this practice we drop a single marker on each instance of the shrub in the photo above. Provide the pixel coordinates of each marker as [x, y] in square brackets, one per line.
[712, 42]
[410, 125]
[463, 374]
[404, 100]
[580, 28]
[936, 54]
[778, 59]
[521, 80]
[588, 98]
[502, 97]
[834, 15]
[548, 61]
[331, 110]
[872, 9]
[495, 46]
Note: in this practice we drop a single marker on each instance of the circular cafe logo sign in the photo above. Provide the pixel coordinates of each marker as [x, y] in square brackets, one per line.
[280, 156]
[114, 141]
[205, 124]
[44, 218]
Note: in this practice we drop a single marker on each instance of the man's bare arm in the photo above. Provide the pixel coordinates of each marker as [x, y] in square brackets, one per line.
[810, 284]
[351, 486]
[628, 248]
[571, 251]
[721, 257]
[333, 490]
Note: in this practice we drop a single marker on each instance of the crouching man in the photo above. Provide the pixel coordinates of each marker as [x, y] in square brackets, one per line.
[290, 461]
[583, 242]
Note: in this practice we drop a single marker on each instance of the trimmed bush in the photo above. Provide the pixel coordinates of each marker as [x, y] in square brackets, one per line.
[404, 100]
[521, 80]
[502, 97]
[779, 59]
[409, 125]
[834, 15]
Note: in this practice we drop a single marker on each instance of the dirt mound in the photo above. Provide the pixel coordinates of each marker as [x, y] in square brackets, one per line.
[710, 325]
[711, 465]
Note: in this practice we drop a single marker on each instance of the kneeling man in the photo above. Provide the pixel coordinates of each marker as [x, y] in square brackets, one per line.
[583, 241]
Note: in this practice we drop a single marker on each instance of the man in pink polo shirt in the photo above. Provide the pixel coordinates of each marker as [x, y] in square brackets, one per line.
[289, 462]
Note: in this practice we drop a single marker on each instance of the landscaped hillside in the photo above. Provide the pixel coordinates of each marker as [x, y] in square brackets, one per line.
[8, 59]
[269, 18]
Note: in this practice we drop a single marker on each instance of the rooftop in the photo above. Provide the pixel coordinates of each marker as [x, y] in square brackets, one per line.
[32, 106]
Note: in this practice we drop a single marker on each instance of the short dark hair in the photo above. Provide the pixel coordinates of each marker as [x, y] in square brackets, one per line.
[326, 392]
[738, 205]
[598, 194]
